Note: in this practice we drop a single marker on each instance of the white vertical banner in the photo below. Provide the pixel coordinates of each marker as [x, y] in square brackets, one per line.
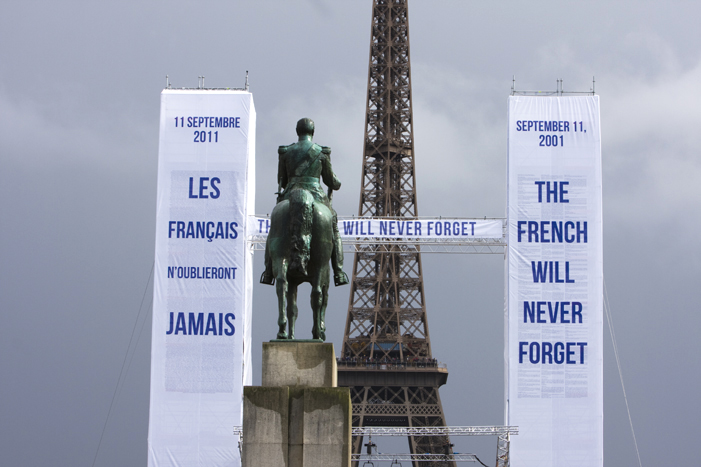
[200, 351]
[554, 309]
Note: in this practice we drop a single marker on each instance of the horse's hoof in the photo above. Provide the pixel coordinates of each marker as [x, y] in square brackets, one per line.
[340, 278]
[282, 335]
[319, 335]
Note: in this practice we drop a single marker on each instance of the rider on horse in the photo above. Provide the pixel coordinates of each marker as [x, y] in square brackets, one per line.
[299, 168]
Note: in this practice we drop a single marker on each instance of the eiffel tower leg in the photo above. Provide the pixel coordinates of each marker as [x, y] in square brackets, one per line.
[406, 406]
[432, 417]
[358, 399]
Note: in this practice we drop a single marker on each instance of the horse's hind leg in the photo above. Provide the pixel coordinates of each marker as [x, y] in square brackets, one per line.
[281, 288]
[292, 309]
[322, 311]
[319, 300]
[267, 277]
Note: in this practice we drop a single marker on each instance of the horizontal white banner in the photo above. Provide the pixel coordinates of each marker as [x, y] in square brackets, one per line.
[446, 228]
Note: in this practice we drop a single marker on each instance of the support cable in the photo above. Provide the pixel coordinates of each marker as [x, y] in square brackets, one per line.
[607, 309]
[149, 308]
[121, 371]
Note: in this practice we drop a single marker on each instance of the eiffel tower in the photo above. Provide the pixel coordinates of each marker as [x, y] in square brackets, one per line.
[386, 356]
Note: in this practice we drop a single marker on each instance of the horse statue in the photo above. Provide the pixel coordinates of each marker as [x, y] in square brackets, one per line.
[303, 236]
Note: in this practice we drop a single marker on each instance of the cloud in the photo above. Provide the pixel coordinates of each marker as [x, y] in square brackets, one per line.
[460, 142]
[650, 147]
[337, 109]
[45, 135]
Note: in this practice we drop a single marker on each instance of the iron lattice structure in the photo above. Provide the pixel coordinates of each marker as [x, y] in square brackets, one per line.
[386, 357]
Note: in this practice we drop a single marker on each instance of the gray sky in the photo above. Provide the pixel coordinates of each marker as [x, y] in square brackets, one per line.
[79, 107]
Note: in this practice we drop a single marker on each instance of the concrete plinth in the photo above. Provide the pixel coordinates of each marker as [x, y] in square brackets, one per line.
[299, 364]
[326, 433]
[300, 419]
[266, 424]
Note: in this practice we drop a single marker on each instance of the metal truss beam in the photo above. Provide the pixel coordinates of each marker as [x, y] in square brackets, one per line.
[503, 442]
[492, 246]
[435, 431]
[404, 457]
[489, 246]
[426, 431]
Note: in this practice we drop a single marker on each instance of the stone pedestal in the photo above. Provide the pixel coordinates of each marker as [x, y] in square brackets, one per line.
[265, 426]
[299, 364]
[298, 418]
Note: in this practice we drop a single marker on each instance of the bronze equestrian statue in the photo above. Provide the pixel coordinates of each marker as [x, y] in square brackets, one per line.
[303, 234]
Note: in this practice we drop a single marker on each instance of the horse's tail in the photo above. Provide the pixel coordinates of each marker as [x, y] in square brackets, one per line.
[301, 217]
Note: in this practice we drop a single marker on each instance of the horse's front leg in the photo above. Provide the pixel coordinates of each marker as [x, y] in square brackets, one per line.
[281, 288]
[292, 309]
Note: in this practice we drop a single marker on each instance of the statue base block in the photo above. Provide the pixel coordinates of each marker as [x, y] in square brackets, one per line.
[299, 364]
[265, 426]
[298, 418]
